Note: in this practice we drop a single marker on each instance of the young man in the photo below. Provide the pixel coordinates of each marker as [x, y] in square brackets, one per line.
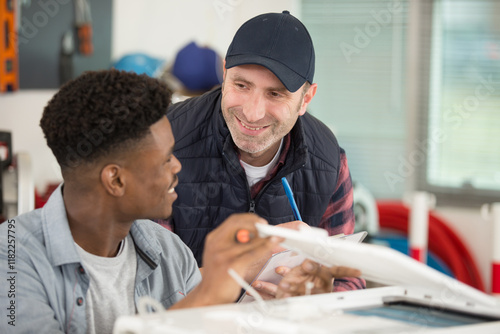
[238, 141]
[87, 256]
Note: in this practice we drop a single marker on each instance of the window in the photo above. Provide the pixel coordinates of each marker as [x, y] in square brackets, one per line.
[463, 123]
[360, 70]
[411, 89]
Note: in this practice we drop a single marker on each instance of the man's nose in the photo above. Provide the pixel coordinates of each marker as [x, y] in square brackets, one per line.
[176, 165]
[255, 110]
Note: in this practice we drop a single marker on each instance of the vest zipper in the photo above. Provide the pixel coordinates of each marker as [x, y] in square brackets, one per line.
[278, 176]
[251, 209]
[252, 206]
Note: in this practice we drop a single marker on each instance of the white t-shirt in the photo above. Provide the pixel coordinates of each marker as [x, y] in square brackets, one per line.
[111, 287]
[255, 174]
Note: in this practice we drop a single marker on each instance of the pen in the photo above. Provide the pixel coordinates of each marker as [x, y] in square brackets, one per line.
[289, 194]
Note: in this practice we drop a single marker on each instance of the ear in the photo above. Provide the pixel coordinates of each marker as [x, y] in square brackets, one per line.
[223, 70]
[113, 180]
[308, 96]
[223, 74]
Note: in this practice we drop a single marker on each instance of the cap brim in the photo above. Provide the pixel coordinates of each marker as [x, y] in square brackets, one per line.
[290, 79]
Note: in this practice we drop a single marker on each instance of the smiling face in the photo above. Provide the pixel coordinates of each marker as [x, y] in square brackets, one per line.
[151, 175]
[259, 111]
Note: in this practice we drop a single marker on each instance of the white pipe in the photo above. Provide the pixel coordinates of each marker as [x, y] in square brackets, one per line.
[492, 213]
[419, 225]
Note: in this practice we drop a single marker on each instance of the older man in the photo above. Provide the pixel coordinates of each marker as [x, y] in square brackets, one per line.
[237, 142]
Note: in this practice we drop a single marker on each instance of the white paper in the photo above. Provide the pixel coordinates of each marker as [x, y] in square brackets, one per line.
[290, 259]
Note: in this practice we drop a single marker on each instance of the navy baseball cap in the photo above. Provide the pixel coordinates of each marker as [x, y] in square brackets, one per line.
[279, 42]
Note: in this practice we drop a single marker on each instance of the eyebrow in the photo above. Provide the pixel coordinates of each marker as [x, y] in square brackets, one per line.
[281, 89]
[237, 77]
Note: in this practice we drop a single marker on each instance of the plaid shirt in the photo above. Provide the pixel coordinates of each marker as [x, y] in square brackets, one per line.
[338, 217]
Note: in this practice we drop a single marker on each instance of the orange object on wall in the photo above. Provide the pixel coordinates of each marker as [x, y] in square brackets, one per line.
[9, 61]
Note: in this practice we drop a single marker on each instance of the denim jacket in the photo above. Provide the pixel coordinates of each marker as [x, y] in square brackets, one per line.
[43, 284]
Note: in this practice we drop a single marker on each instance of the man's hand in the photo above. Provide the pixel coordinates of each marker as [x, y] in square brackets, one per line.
[255, 267]
[222, 252]
[294, 281]
[311, 278]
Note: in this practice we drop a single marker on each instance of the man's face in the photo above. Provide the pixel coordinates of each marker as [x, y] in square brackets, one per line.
[151, 174]
[258, 109]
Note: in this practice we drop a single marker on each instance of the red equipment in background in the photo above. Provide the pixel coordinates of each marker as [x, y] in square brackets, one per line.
[443, 241]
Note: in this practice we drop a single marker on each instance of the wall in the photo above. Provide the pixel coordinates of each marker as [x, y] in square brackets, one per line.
[161, 27]
[43, 24]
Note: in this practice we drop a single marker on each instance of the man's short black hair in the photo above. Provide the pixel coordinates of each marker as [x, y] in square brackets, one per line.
[102, 113]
